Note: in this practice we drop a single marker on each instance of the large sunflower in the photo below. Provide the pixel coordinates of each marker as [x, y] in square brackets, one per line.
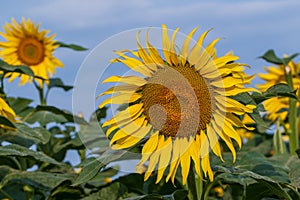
[277, 107]
[179, 108]
[26, 45]
[6, 111]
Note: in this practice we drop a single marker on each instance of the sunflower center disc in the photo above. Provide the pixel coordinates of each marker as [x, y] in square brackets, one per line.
[177, 101]
[31, 51]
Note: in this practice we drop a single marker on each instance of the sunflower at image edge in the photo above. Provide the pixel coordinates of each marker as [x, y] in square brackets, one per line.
[277, 107]
[8, 112]
[162, 108]
[26, 45]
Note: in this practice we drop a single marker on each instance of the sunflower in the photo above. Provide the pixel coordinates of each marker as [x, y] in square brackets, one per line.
[26, 45]
[6, 111]
[277, 107]
[179, 107]
[246, 133]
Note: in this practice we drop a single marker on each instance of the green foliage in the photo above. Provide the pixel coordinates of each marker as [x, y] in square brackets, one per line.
[72, 46]
[271, 57]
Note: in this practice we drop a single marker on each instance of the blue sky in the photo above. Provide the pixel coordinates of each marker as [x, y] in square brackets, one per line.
[249, 28]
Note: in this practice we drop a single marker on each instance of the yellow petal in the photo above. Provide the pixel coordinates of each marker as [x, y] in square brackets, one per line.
[135, 80]
[198, 47]
[185, 46]
[164, 159]
[124, 98]
[127, 114]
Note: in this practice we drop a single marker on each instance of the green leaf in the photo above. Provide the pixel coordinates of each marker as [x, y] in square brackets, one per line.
[25, 135]
[271, 57]
[69, 116]
[92, 136]
[94, 165]
[47, 114]
[89, 171]
[177, 195]
[99, 179]
[113, 191]
[57, 82]
[278, 90]
[41, 180]
[15, 68]
[134, 182]
[44, 117]
[72, 46]
[19, 104]
[147, 197]
[20, 151]
[4, 121]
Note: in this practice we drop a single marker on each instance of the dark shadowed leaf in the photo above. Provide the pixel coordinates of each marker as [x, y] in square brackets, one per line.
[271, 57]
[278, 90]
[113, 191]
[4, 121]
[72, 46]
[18, 68]
[69, 116]
[57, 83]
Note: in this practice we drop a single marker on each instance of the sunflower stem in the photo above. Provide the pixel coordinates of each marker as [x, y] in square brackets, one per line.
[192, 184]
[294, 140]
[41, 93]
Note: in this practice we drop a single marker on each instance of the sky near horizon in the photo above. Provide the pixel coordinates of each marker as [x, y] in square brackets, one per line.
[249, 28]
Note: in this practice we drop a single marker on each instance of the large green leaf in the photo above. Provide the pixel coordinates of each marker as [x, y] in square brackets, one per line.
[72, 46]
[47, 114]
[25, 135]
[69, 116]
[20, 151]
[41, 180]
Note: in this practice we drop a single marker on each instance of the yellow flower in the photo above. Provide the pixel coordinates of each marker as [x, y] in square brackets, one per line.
[26, 45]
[180, 106]
[277, 107]
[7, 112]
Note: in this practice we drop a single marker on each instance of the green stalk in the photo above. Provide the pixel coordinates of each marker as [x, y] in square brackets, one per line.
[293, 120]
[199, 186]
[41, 93]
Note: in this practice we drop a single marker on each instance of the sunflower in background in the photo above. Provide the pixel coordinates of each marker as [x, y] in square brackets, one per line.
[179, 107]
[26, 45]
[7, 111]
[277, 107]
[246, 133]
